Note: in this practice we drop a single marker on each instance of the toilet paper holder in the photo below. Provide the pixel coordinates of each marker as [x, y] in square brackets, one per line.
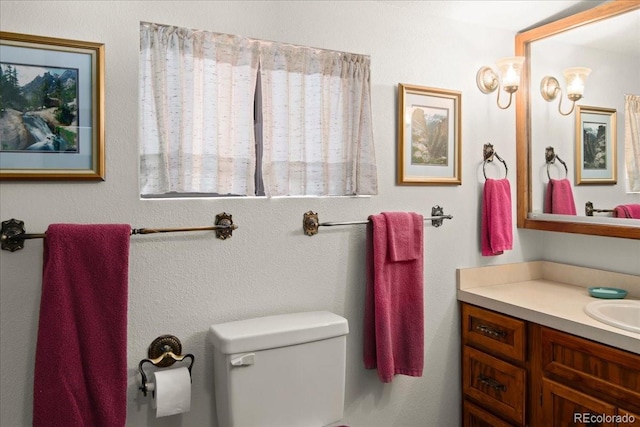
[164, 351]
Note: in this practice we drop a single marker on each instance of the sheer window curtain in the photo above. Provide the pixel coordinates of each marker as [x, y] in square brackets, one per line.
[317, 122]
[632, 141]
[196, 111]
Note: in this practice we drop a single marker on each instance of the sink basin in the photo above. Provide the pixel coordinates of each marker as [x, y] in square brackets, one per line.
[623, 314]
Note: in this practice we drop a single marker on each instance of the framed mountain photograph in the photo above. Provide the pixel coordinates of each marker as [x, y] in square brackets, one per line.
[429, 136]
[51, 108]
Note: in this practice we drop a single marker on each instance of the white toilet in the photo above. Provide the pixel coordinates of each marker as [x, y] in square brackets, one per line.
[280, 371]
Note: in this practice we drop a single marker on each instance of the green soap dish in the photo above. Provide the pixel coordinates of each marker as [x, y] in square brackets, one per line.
[607, 293]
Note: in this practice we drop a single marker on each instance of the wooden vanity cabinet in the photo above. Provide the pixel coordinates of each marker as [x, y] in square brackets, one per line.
[494, 367]
[518, 373]
[597, 378]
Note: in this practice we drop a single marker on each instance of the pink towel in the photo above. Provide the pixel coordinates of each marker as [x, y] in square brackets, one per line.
[80, 377]
[393, 315]
[627, 211]
[558, 198]
[496, 230]
[403, 242]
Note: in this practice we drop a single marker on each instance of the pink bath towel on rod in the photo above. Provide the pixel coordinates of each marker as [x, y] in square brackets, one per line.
[394, 316]
[496, 227]
[627, 211]
[80, 377]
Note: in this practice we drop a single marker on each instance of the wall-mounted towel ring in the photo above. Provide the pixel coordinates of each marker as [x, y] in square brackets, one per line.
[551, 157]
[164, 351]
[488, 153]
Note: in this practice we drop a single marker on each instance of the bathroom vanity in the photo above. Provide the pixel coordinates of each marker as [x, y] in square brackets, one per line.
[531, 356]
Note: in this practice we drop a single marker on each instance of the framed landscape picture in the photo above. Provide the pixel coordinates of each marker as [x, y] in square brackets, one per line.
[596, 145]
[51, 108]
[429, 136]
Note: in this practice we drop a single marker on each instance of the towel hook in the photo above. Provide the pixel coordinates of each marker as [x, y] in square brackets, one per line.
[488, 153]
[164, 351]
[551, 157]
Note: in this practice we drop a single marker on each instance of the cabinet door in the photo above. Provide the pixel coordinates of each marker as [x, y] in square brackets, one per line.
[563, 407]
[628, 419]
[594, 368]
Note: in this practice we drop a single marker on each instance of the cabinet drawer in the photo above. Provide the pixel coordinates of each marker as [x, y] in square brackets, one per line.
[496, 385]
[591, 367]
[474, 416]
[495, 333]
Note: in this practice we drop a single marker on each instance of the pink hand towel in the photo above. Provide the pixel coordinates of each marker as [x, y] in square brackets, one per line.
[627, 211]
[80, 377]
[496, 230]
[394, 313]
[401, 235]
[558, 198]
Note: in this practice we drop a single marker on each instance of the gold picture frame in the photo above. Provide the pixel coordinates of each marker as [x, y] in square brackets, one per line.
[596, 145]
[429, 136]
[52, 108]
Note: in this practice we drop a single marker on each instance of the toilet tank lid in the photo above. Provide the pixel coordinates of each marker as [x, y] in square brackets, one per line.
[276, 331]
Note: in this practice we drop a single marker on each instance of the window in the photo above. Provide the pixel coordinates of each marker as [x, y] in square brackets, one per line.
[229, 115]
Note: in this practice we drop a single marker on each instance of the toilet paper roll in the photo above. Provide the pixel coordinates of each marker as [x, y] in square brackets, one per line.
[172, 391]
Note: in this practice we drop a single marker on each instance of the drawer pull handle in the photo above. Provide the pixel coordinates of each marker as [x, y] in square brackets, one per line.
[488, 330]
[492, 383]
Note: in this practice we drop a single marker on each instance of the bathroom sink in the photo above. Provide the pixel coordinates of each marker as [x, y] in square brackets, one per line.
[623, 314]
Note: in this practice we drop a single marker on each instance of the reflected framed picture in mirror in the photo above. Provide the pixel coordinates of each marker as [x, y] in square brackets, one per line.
[596, 145]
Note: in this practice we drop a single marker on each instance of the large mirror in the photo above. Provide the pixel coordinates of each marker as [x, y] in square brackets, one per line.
[589, 39]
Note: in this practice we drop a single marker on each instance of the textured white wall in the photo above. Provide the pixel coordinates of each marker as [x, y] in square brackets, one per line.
[181, 284]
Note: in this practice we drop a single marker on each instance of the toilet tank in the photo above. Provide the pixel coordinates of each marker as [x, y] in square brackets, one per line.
[280, 371]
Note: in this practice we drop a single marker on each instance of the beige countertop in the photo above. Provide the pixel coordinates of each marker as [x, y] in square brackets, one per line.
[549, 294]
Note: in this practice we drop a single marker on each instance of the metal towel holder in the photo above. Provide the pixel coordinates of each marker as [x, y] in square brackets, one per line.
[13, 233]
[164, 351]
[551, 157]
[488, 154]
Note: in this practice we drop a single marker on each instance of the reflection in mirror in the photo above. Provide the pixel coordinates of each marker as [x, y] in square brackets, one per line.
[614, 73]
[576, 78]
[584, 40]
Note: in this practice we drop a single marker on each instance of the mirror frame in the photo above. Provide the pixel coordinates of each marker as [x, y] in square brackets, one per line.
[523, 123]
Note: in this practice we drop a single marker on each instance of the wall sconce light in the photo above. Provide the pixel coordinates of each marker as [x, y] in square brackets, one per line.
[508, 77]
[575, 77]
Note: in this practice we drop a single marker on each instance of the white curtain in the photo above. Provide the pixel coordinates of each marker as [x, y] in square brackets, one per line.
[196, 111]
[317, 125]
[632, 141]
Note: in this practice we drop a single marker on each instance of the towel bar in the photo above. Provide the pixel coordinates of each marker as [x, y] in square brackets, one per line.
[589, 210]
[164, 351]
[310, 222]
[13, 233]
